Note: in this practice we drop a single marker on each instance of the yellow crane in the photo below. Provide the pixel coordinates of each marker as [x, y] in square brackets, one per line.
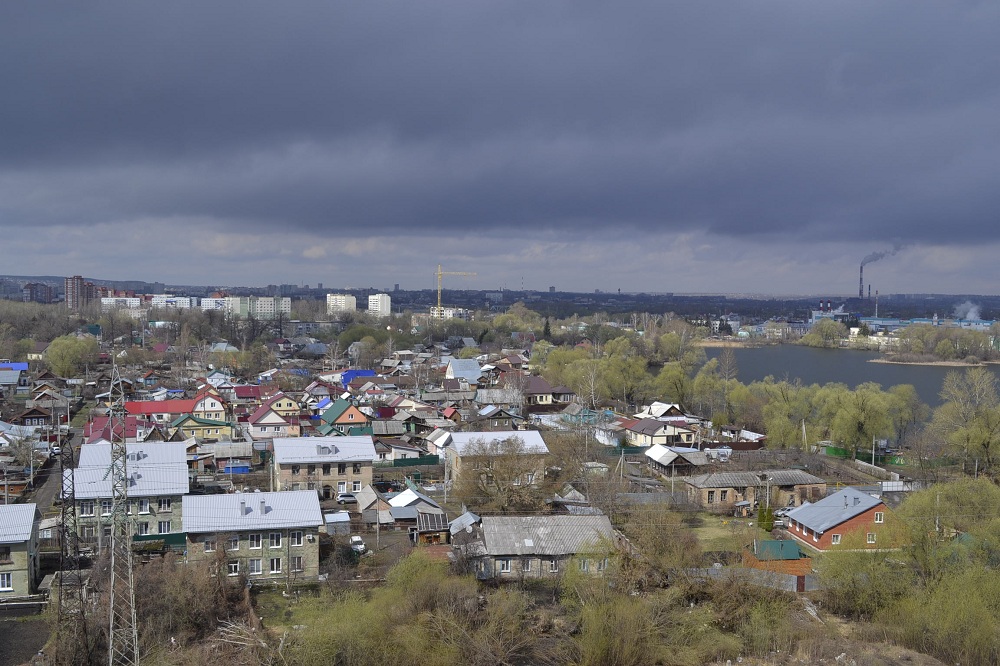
[440, 274]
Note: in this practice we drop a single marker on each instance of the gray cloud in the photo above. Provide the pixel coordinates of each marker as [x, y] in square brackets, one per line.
[767, 124]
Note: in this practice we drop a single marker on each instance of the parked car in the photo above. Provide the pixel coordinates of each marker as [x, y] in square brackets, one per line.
[54, 451]
[345, 498]
[358, 545]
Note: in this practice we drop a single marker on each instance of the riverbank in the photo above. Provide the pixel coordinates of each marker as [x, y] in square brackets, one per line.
[717, 343]
[943, 364]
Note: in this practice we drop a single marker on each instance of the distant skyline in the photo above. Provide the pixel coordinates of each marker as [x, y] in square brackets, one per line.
[767, 147]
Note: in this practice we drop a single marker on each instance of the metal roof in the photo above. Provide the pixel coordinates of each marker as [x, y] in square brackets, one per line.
[833, 510]
[544, 535]
[16, 522]
[143, 454]
[95, 482]
[10, 377]
[776, 477]
[410, 497]
[533, 442]
[288, 450]
[251, 511]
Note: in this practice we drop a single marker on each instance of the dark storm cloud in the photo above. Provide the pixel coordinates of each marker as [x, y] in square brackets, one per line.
[789, 120]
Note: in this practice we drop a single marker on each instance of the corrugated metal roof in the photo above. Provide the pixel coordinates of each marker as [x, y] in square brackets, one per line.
[544, 535]
[410, 497]
[95, 482]
[242, 511]
[289, 450]
[833, 510]
[98, 454]
[776, 477]
[16, 522]
[533, 442]
[9, 377]
[467, 519]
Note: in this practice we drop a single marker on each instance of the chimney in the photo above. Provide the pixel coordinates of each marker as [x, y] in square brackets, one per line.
[263, 507]
[821, 305]
[829, 306]
[861, 284]
[243, 508]
[857, 501]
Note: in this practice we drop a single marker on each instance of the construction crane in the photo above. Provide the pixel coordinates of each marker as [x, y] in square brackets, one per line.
[440, 274]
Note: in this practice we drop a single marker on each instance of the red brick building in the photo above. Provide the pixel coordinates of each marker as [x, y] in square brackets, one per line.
[827, 523]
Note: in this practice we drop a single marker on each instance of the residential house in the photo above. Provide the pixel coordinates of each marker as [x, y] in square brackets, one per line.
[721, 491]
[33, 416]
[326, 465]
[18, 549]
[207, 429]
[157, 479]
[267, 423]
[464, 368]
[475, 451]
[519, 547]
[342, 417]
[13, 381]
[262, 536]
[827, 523]
[674, 460]
[420, 515]
[661, 410]
[647, 432]
[135, 429]
[784, 557]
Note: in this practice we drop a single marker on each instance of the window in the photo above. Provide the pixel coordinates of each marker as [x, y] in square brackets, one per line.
[209, 544]
[106, 506]
[879, 517]
[356, 486]
[233, 543]
[253, 567]
[504, 566]
[871, 537]
[584, 565]
[163, 527]
[144, 506]
[356, 468]
[163, 504]
[295, 469]
[342, 486]
[5, 554]
[274, 540]
[296, 563]
[142, 528]
[295, 486]
[517, 480]
[295, 538]
[723, 495]
[326, 469]
[6, 581]
[553, 565]
[310, 469]
[835, 539]
[275, 565]
[602, 564]
[88, 532]
[254, 541]
[87, 508]
[711, 497]
[530, 478]
[526, 565]
[342, 468]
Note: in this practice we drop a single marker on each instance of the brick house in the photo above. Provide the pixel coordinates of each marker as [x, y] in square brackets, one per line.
[264, 536]
[18, 549]
[826, 523]
[326, 465]
[722, 490]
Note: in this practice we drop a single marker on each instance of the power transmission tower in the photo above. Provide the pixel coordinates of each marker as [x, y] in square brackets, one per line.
[123, 637]
[71, 609]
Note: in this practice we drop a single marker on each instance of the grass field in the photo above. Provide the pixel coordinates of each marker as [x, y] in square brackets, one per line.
[725, 533]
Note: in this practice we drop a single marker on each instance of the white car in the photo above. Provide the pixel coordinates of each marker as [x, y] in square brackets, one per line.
[358, 545]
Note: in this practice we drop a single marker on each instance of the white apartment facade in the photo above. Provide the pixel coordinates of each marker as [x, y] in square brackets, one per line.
[340, 303]
[380, 305]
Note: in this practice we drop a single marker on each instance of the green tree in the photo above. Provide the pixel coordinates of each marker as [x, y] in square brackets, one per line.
[67, 355]
[969, 418]
[863, 416]
[825, 333]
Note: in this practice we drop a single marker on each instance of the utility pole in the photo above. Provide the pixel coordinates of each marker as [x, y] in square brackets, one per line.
[123, 638]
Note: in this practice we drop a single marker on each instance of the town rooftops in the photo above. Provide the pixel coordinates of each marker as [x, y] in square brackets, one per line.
[16, 522]
[292, 450]
[833, 510]
[463, 442]
[251, 511]
[774, 477]
[147, 454]
[544, 535]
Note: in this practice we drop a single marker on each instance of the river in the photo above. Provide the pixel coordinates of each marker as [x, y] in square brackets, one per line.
[846, 366]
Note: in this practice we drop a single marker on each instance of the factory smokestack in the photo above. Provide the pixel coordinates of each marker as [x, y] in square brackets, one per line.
[861, 283]
[869, 292]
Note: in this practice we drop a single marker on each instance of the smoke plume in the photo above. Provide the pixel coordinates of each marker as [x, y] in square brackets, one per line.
[875, 256]
[967, 310]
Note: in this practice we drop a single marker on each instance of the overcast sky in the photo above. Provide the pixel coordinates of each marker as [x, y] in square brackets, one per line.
[764, 147]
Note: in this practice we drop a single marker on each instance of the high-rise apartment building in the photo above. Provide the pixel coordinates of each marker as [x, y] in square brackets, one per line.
[340, 303]
[380, 305]
[37, 292]
[78, 292]
[259, 307]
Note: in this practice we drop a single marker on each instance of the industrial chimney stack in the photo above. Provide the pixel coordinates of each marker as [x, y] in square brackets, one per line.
[861, 283]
